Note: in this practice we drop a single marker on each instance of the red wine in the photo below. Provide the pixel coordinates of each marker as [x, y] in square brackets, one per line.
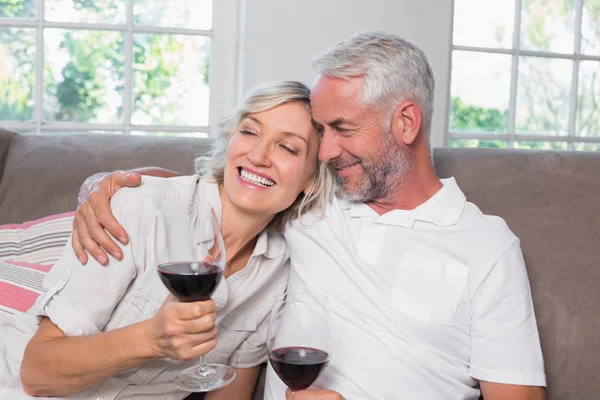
[298, 367]
[190, 281]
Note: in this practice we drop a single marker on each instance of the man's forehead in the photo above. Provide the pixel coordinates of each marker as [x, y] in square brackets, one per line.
[335, 98]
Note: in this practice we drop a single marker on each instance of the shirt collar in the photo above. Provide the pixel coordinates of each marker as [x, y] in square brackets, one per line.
[269, 244]
[443, 208]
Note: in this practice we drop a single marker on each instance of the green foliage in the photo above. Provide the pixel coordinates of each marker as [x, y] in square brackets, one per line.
[78, 91]
[465, 117]
[82, 88]
[16, 8]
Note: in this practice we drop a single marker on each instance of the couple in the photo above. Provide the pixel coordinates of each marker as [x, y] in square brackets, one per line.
[429, 297]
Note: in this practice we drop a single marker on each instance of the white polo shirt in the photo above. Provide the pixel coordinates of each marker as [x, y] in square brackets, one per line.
[424, 302]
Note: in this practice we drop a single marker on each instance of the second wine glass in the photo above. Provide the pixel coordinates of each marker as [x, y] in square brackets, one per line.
[299, 338]
[190, 256]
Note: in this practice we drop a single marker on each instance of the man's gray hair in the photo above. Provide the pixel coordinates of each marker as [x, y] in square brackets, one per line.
[394, 71]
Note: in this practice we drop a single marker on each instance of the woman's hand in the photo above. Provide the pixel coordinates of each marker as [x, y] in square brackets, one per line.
[94, 215]
[183, 331]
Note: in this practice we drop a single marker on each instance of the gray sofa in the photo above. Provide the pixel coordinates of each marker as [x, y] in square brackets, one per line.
[551, 200]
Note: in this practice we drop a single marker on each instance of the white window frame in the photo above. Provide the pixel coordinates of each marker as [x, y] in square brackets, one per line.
[517, 53]
[222, 77]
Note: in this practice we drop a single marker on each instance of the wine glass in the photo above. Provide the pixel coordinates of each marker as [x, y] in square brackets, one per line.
[190, 256]
[299, 338]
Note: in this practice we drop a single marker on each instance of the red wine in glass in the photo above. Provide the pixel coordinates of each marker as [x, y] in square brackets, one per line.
[297, 366]
[190, 280]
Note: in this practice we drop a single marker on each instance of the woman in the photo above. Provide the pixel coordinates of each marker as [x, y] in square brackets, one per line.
[114, 332]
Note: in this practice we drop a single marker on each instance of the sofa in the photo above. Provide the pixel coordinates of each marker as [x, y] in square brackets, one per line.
[551, 201]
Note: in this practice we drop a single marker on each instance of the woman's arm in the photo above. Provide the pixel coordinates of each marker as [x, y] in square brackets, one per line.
[58, 365]
[242, 387]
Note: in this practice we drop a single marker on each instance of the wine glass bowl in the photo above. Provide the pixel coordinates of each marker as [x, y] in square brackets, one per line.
[299, 338]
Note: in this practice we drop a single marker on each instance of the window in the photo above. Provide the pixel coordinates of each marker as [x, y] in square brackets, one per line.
[525, 74]
[147, 67]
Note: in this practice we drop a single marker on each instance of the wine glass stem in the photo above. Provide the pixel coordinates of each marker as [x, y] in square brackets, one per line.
[203, 370]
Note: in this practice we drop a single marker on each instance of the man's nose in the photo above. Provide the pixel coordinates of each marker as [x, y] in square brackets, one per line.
[329, 147]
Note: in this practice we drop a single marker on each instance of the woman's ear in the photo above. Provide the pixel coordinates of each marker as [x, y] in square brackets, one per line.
[407, 122]
[311, 188]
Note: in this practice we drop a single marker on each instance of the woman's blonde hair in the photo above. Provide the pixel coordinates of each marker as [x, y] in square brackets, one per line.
[263, 98]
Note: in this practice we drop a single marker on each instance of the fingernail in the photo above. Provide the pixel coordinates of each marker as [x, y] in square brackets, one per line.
[81, 259]
[102, 260]
[123, 239]
[116, 255]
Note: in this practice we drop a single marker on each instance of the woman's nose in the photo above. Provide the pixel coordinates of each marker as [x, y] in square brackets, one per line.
[260, 154]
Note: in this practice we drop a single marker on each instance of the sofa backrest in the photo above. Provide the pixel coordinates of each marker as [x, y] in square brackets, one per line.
[42, 174]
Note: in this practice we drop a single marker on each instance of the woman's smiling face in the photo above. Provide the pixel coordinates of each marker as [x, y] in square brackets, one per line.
[271, 159]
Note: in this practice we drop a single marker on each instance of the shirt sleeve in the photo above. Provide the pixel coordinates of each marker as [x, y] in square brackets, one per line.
[505, 344]
[252, 351]
[80, 299]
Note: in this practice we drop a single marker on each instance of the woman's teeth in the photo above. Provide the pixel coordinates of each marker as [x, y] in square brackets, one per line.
[257, 180]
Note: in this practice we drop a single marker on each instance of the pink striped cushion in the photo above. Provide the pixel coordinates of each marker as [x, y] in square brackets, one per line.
[37, 242]
[20, 285]
[27, 253]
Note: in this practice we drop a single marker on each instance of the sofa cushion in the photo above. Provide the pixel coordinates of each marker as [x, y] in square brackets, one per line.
[39, 242]
[27, 252]
[20, 285]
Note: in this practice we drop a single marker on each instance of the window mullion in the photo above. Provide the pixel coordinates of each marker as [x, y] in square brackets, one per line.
[38, 110]
[512, 103]
[575, 75]
[128, 76]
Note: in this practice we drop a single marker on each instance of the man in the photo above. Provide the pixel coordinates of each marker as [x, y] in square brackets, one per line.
[429, 297]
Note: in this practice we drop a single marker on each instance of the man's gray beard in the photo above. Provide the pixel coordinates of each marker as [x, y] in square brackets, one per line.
[380, 179]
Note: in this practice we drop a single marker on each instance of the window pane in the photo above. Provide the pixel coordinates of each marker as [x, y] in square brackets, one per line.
[480, 92]
[499, 144]
[587, 146]
[484, 23]
[17, 73]
[548, 25]
[83, 76]
[541, 145]
[89, 11]
[192, 14]
[17, 9]
[590, 27]
[170, 79]
[588, 103]
[543, 96]
[184, 134]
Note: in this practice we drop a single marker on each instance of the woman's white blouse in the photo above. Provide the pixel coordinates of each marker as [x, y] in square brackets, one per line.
[87, 300]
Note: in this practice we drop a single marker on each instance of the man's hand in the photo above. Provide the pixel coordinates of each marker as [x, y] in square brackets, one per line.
[183, 331]
[313, 395]
[94, 215]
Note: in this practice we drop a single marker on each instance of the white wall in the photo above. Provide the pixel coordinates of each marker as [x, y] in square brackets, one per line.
[282, 35]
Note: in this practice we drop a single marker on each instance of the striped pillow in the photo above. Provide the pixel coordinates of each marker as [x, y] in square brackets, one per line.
[20, 285]
[27, 253]
[39, 242]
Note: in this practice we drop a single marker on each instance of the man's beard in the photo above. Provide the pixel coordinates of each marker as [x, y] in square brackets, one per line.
[381, 177]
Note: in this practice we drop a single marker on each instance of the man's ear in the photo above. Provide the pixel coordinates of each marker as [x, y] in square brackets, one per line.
[407, 122]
